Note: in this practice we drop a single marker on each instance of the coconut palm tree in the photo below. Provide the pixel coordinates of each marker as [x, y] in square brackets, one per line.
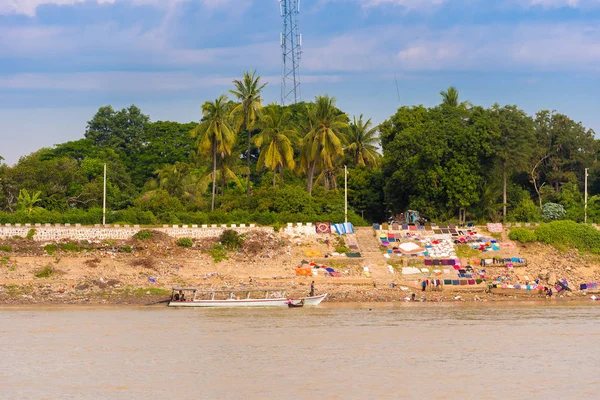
[323, 144]
[275, 141]
[247, 91]
[362, 140]
[450, 98]
[215, 134]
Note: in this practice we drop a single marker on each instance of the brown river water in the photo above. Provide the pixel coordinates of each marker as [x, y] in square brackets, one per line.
[336, 351]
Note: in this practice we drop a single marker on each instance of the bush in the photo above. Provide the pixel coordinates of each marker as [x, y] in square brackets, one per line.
[50, 249]
[583, 237]
[218, 253]
[522, 235]
[125, 249]
[143, 235]
[6, 248]
[553, 212]
[231, 239]
[31, 233]
[69, 247]
[45, 272]
[185, 242]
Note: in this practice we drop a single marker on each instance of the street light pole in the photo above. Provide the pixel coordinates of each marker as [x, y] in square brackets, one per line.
[104, 199]
[345, 194]
[585, 206]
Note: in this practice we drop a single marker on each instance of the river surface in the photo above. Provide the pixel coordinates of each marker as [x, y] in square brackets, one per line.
[336, 351]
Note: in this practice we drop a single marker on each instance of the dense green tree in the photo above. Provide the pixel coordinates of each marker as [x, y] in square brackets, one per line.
[215, 135]
[513, 142]
[163, 143]
[248, 92]
[122, 131]
[568, 148]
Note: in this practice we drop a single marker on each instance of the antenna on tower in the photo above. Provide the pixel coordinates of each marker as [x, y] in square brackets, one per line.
[291, 50]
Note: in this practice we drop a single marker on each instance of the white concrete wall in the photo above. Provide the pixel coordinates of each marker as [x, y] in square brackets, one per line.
[48, 233]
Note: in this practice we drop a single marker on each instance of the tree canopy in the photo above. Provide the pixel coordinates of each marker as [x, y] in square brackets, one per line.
[454, 159]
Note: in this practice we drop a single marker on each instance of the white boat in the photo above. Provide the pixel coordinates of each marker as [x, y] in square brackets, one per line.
[237, 298]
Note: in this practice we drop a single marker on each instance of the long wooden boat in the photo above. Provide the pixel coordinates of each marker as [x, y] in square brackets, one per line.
[237, 298]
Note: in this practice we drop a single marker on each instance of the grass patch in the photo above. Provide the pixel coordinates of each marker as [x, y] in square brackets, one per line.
[185, 242]
[4, 260]
[218, 253]
[466, 251]
[125, 249]
[50, 249]
[73, 247]
[45, 272]
[6, 248]
[340, 246]
[144, 235]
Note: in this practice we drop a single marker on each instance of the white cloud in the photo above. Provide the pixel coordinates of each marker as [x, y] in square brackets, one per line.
[537, 47]
[29, 7]
[409, 4]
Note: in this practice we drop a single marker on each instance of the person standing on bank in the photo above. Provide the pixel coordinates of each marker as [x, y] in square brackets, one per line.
[312, 289]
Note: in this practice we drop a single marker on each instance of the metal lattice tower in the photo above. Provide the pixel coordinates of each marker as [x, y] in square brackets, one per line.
[291, 50]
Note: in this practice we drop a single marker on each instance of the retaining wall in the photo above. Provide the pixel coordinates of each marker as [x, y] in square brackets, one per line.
[48, 232]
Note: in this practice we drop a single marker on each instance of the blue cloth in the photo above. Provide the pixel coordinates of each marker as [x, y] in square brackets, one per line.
[343, 228]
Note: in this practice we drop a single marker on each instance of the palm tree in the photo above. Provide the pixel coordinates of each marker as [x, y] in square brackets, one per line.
[215, 135]
[170, 177]
[275, 141]
[362, 140]
[247, 91]
[450, 98]
[322, 145]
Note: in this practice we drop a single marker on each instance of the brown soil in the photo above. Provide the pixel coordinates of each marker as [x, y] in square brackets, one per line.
[104, 272]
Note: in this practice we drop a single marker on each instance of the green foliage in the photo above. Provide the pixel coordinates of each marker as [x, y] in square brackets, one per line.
[5, 248]
[71, 247]
[465, 251]
[45, 272]
[553, 212]
[583, 237]
[27, 202]
[522, 235]
[144, 235]
[218, 253]
[50, 249]
[525, 211]
[231, 240]
[30, 234]
[185, 242]
[125, 249]
[438, 160]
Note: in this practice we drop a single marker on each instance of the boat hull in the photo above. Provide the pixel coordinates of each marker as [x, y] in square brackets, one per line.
[313, 300]
[278, 302]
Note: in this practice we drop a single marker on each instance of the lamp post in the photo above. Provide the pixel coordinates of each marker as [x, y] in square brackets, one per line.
[345, 194]
[104, 199]
[585, 201]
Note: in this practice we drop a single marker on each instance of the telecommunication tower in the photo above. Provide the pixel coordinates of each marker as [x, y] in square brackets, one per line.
[291, 50]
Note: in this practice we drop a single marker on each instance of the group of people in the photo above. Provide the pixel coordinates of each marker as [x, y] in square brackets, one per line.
[179, 296]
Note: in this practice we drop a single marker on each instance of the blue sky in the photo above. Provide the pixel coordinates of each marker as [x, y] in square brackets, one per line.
[60, 60]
